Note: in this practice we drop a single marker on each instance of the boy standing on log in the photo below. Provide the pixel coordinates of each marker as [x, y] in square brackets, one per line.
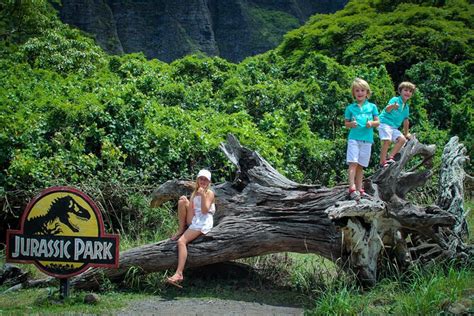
[392, 117]
[361, 117]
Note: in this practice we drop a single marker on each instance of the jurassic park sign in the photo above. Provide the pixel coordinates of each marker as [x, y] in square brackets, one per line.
[62, 233]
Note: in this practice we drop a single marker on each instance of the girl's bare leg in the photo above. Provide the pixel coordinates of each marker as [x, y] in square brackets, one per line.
[188, 236]
[185, 216]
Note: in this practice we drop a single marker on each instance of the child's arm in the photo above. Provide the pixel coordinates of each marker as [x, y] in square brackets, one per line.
[406, 126]
[349, 120]
[350, 124]
[374, 123]
[206, 201]
[391, 107]
[375, 118]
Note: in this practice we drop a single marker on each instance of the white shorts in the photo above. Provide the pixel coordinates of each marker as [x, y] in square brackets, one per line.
[358, 151]
[386, 132]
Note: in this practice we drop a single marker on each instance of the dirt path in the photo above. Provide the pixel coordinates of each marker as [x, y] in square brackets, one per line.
[195, 306]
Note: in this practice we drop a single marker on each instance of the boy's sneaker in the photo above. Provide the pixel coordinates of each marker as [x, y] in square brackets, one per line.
[364, 195]
[393, 159]
[388, 162]
[354, 195]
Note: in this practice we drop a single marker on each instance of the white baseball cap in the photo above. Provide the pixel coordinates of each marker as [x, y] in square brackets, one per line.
[204, 173]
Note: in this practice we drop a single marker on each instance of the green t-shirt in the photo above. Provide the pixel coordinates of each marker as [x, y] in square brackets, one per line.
[367, 112]
[396, 117]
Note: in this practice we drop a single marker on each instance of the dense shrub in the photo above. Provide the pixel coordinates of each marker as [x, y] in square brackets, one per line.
[397, 34]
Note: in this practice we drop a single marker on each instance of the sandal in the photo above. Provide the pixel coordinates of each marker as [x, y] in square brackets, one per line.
[175, 280]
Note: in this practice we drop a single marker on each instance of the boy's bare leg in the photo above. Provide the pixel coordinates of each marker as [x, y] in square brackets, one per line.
[352, 175]
[401, 140]
[384, 151]
[358, 177]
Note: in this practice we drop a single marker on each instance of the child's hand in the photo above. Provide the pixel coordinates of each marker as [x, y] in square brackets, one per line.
[395, 106]
[353, 124]
[368, 124]
[200, 191]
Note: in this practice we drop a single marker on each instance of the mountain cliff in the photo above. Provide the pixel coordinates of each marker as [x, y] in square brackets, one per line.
[170, 29]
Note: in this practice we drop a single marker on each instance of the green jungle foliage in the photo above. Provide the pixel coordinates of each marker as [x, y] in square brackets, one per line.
[72, 115]
[383, 32]
[428, 42]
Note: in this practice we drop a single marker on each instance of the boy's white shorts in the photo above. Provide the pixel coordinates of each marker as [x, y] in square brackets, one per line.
[386, 132]
[358, 151]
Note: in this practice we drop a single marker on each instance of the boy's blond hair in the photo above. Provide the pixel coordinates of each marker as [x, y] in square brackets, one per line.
[406, 84]
[362, 84]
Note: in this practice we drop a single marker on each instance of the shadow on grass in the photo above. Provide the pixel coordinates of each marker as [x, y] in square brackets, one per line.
[233, 281]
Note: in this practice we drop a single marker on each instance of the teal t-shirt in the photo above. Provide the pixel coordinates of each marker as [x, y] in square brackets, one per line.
[396, 117]
[367, 112]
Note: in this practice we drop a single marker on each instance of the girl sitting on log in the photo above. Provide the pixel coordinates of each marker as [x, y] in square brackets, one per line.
[195, 218]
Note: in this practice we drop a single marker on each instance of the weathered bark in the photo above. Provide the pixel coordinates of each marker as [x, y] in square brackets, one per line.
[451, 192]
[448, 240]
[263, 212]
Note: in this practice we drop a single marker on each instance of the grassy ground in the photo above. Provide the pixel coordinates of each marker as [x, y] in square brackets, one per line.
[282, 279]
[44, 301]
[296, 280]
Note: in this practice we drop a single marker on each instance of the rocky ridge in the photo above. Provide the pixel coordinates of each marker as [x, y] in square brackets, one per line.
[170, 29]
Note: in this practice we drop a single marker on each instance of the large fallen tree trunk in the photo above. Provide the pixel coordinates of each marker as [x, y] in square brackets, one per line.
[263, 212]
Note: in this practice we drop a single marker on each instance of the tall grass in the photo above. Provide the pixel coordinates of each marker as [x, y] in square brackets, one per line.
[147, 225]
[327, 290]
[419, 292]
